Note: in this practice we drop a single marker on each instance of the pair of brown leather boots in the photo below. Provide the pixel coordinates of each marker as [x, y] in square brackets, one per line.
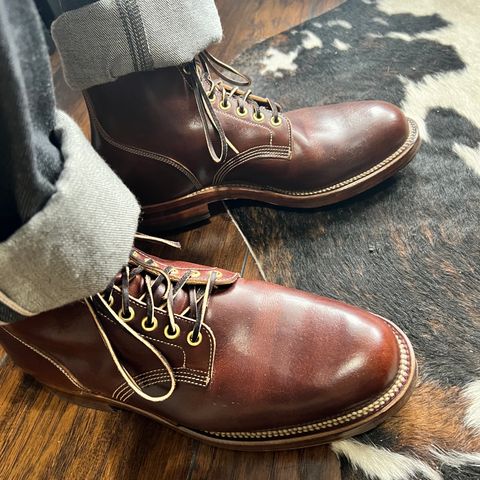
[236, 363]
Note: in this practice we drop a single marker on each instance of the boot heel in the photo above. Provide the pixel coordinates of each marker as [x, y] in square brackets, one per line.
[154, 218]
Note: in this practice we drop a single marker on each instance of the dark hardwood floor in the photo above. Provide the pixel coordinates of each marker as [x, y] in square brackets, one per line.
[46, 437]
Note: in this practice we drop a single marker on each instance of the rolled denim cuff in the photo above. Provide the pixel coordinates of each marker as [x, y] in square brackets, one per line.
[111, 38]
[76, 244]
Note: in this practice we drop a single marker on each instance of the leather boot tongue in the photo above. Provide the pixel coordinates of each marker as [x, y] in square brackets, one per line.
[138, 287]
[180, 302]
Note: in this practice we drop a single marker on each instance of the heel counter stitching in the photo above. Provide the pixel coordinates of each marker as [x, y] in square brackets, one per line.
[138, 151]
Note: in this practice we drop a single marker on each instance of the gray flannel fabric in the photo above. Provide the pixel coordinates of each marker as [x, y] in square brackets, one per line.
[110, 38]
[30, 162]
[78, 241]
[67, 222]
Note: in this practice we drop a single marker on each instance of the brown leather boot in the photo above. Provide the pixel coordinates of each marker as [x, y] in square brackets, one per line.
[235, 363]
[181, 140]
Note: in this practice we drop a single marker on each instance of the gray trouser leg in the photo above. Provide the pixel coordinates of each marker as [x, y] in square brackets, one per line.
[106, 39]
[66, 220]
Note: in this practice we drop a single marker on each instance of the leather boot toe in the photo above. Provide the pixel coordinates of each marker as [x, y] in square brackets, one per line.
[339, 142]
[305, 359]
[235, 363]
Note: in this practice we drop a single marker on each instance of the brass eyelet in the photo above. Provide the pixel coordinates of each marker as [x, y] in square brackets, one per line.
[174, 335]
[109, 300]
[149, 328]
[173, 271]
[131, 312]
[195, 273]
[190, 339]
[242, 113]
[276, 123]
[212, 97]
[225, 106]
[258, 118]
[218, 274]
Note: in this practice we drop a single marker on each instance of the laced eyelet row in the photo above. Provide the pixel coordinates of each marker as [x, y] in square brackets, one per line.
[176, 334]
[258, 116]
[197, 295]
[150, 326]
[230, 86]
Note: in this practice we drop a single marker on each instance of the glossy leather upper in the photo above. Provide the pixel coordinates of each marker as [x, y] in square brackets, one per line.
[270, 356]
[147, 126]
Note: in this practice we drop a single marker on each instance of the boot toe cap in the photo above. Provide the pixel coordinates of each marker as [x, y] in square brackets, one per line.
[377, 130]
[354, 360]
[338, 142]
[310, 359]
[385, 130]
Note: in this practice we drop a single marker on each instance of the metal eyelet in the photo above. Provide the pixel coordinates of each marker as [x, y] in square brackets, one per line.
[225, 106]
[149, 328]
[185, 71]
[242, 113]
[218, 274]
[174, 335]
[196, 342]
[131, 312]
[276, 123]
[110, 300]
[195, 273]
[258, 118]
[212, 97]
[173, 271]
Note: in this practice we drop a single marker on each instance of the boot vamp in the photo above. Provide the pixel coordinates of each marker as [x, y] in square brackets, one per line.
[279, 357]
[285, 357]
[330, 144]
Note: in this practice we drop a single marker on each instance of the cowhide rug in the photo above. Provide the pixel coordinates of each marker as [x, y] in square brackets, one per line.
[410, 249]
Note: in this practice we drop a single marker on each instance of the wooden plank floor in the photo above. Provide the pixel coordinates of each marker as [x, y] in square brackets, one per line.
[43, 436]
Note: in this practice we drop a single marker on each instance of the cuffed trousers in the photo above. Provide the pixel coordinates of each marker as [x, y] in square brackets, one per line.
[67, 222]
[110, 38]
